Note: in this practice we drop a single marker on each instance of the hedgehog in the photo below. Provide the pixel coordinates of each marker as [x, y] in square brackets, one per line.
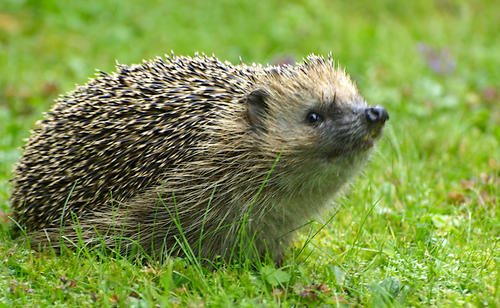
[184, 151]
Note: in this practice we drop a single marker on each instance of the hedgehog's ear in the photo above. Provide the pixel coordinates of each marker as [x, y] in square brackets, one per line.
[257, 107]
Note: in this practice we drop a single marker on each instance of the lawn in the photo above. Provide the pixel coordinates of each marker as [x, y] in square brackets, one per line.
[420, 227]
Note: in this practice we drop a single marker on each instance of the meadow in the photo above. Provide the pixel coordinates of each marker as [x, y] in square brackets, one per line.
[420, 227]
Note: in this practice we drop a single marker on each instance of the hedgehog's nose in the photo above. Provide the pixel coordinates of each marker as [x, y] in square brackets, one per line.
[376, 114]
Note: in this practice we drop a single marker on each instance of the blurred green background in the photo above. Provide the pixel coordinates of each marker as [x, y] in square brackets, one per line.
[435, 65]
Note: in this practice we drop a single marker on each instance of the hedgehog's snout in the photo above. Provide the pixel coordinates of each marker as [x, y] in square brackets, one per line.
[376, 118]
[376, 115]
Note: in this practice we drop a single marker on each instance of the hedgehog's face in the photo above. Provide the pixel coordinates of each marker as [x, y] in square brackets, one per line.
[324, 125]
[342, 127]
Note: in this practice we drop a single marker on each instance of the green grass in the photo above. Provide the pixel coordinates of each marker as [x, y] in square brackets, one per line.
[421, 227]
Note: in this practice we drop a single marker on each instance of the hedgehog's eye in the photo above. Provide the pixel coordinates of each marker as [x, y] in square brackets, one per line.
[313, 117]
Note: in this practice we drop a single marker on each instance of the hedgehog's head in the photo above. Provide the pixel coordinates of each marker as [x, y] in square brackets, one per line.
[313, 111]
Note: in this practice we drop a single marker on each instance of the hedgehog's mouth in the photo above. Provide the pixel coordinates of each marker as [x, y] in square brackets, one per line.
[354, 146]
[369, 139]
